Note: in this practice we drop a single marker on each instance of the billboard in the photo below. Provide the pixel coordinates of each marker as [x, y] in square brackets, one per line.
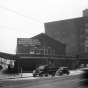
[25, 44]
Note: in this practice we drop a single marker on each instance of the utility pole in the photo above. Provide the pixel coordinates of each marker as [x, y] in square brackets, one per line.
[49, 53]
[77, 57]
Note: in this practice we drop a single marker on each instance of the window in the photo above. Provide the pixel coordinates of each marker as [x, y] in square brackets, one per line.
[32, 51]
[86, 24]
[73, 44]
[81, 29]
[64, 38]
[73, 37]
[73, 50]
[56, 32]
[86, 49]
[73, 30]
[64, 31]
[82, 43]
[86, 30]
[46, 51]
[82, 36]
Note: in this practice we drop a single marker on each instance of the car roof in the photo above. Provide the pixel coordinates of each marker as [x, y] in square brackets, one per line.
[62, 67]
[42, 66]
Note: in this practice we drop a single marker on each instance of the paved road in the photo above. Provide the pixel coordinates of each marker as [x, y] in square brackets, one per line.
[45, 82]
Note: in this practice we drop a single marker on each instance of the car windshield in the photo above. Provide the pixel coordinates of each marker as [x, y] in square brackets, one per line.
[61, 68]
[42, 66]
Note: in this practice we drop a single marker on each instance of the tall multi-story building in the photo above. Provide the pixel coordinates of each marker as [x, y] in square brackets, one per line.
[72, 32]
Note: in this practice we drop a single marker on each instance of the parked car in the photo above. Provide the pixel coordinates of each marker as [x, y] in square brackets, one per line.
[63, 70]
[84, 76]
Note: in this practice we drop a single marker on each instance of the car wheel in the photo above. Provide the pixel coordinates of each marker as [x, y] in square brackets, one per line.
[41, 75]
[61, 73]
[68, 73]
[53, 74]
[34, 75]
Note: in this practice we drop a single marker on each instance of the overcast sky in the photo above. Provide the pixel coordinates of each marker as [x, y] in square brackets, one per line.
[26, 18]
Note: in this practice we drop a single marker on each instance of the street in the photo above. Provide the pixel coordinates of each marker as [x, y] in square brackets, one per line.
[45, 82]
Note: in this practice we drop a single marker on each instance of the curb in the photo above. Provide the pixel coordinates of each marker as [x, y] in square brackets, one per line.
[19, 77]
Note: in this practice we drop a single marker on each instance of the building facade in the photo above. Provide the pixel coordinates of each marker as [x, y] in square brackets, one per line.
[39, 50]
[72, 32]
[40, 44]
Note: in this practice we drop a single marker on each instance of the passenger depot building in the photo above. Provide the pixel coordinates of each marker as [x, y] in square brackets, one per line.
[39, 50]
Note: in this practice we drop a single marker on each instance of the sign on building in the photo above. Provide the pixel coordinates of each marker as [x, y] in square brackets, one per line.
[25, 44]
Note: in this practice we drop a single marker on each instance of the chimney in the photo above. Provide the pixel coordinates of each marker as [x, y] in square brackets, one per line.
[85, 12]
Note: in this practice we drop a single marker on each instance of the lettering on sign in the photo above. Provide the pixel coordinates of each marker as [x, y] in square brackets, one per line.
[27, 41]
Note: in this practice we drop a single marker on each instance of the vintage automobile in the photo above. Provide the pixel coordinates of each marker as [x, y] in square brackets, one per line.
[84, 76]
[42, 70]
[63, 70]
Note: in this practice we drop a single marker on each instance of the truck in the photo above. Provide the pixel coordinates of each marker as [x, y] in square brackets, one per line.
[44, 70]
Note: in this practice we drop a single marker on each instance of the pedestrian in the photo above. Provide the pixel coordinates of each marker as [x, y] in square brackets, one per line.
[9, 67]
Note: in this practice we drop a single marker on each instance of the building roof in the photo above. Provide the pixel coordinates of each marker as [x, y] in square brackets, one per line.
[67, 20]
[85, 10]
[42, 35]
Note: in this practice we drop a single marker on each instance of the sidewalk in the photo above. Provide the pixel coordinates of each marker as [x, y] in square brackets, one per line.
[14, 76]
[29, 75]
[77, 71]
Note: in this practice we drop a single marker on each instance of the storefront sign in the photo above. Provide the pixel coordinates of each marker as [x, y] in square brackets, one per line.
[28, 42]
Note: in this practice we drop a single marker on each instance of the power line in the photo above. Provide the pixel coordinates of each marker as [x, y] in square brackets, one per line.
[21, 14]
[24, 16]
[15, 29]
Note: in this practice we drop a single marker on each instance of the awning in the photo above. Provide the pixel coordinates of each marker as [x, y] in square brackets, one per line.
[8, 56]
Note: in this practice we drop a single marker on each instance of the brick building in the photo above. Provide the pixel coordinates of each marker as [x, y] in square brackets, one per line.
[72, 32]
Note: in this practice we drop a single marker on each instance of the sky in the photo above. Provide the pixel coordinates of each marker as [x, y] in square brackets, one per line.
[26, 18]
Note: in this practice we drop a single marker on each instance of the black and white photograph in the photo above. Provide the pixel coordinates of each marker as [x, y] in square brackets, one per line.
[43, 43]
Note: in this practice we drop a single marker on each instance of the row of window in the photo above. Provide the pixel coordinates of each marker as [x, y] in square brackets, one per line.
[72, 23]
[42, 50]
[73, 44]
[73, 50]
[72, 31]
[72, 37]
[81, 43]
